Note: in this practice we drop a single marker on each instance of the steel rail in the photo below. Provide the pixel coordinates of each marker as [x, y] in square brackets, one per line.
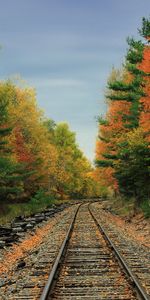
[49, 285]
[139, 289]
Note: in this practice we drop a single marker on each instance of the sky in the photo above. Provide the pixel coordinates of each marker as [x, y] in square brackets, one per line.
[66, 49]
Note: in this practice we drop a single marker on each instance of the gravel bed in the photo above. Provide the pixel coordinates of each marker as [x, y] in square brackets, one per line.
[136, 254]
[16, 230]
[89, 270]
[26, 277]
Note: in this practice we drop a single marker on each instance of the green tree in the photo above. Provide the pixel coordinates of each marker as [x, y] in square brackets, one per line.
[10, 172]
[70, 173]
[125, 148]
[133, 167]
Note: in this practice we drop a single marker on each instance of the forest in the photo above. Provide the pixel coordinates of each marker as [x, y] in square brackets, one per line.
[122, 147]
[41, 160]
[75, 150]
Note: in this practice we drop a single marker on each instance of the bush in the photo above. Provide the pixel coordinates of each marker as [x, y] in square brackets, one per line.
[37, 203]
[146, 208]
[40, 197]
[104, 192]
[40, 201]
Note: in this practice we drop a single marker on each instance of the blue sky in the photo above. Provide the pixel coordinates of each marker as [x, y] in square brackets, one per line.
[66, 49]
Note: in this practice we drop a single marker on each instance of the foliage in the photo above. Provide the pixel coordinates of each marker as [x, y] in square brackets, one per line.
[39, 197]
[10, 172]
[123, 150]
[145, 205]
[145, 30]
[10, 211]
[36, 153]
[71, 171]
[133, 166]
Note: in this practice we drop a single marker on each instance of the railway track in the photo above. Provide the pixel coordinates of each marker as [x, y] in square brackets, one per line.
[136, 256]
[27, 276]
[89, 266]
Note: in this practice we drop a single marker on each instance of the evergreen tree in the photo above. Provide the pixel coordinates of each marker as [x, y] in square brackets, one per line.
[130, 161]
[132, 91]
[133, 167]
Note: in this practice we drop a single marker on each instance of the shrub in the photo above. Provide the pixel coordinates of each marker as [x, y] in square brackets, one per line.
[146, 208]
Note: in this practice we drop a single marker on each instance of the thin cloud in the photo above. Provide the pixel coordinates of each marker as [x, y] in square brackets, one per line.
[55, 82]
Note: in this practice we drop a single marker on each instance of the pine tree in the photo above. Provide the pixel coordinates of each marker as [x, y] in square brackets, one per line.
[133, 167]
[132, 91]
[130, 161]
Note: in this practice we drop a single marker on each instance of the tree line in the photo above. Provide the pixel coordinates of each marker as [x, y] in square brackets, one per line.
[36, 153]
[123, 143]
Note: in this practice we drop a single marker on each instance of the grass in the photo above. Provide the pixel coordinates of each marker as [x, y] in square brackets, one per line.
[36, 204]
[121, 206]
[13, 210]
[146, 208]
[126, 207]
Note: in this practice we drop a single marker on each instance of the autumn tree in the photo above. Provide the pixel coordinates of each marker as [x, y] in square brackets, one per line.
[70, 174]
[127, 119]
[36, 153]
[11, 173]
[111, 129]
